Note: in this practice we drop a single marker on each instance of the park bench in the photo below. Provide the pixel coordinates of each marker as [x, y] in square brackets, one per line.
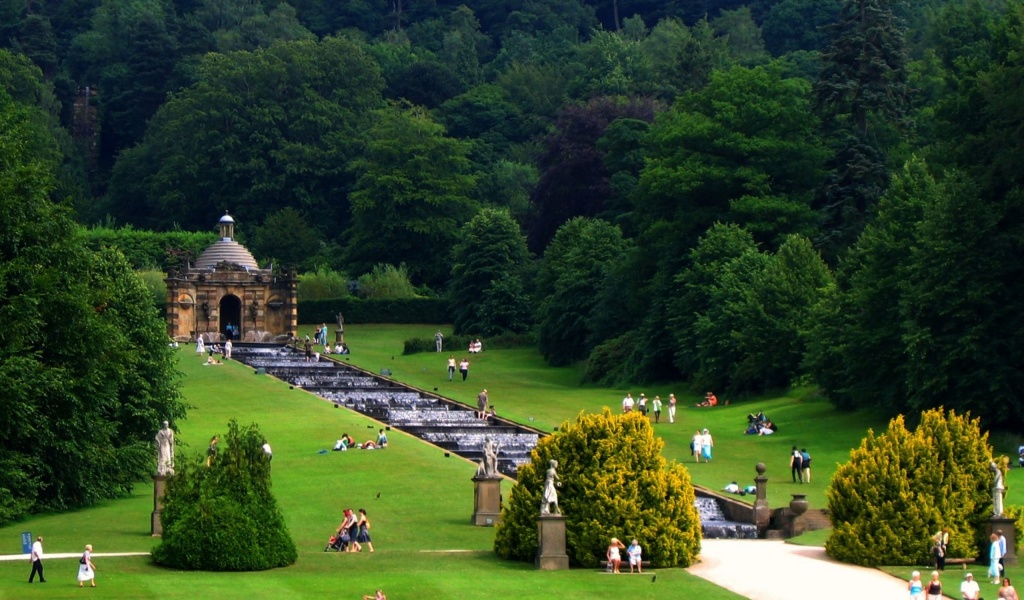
[963, 562]
[625, 565]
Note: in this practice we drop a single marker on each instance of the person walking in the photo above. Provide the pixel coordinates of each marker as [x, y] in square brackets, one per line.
[37, 560]
[935, 587]
[656, 408]
[464, 368]
[695, 445]
[363, 535]
[671, 408]
[796, 465]
[994, 558]
[805, 464]
[227, 349]
[707, 444]
[451, 367]
[86, 570]
[916, 586]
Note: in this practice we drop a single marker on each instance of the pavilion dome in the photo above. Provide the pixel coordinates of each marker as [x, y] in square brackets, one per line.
[226, 249]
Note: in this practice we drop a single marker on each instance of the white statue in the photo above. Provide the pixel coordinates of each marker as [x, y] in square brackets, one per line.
[549, 501]
[165, 450]
[997, 491]
[491, 458]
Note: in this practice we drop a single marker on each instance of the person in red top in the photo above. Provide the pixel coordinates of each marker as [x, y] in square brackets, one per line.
[709, 400]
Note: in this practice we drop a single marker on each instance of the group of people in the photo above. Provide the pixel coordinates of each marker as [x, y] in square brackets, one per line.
[702, 445]
[484, 409]
[463, 366]
[346, 442]
[86, 568]
[475, 347]
[212, 349]
[354, 532]
[645, 407]
[734, 488]
[634, 553]
[800, 465]
[759, 424]
[969, 589]
[709, 400]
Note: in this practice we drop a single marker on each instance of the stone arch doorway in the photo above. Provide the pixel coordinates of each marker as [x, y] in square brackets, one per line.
[230, 314]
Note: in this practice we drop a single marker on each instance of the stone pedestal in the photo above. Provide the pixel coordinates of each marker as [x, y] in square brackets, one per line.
[551, 554]
[486, 501]
[339, 336]
[762, 512]
[1009, 529]
[159, 485]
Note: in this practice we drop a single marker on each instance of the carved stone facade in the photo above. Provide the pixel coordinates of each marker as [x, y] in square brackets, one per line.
[226, 291]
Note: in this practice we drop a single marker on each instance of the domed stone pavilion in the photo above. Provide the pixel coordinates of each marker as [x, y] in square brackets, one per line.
[226, 294]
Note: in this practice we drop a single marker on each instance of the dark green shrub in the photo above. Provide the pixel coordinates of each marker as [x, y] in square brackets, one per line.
[223, 517]
[456, 344]
[322, 284]
[899, 488]
[144, 249]
[615, 483]
[608, 361]
[359, 310]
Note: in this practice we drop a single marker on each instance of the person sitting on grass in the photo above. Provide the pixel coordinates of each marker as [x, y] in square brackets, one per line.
[709, 400]
[378, 596]
[210, 360]
[344, 443]
[382, 439]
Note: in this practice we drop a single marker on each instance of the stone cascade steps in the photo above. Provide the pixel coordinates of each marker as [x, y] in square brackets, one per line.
[446, 424]
[714, 525]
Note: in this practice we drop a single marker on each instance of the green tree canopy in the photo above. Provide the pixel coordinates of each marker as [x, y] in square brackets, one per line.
[411, 197]
[574, 264]
[257, 132]
[77, 419]
[487, 276]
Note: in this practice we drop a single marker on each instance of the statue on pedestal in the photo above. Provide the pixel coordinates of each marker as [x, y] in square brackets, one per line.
[549, 500]
[165, 450]
[489, 463]
[997, 490]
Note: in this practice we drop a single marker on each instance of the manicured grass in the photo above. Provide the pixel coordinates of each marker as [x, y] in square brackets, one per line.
[426, 547]
[526, 390]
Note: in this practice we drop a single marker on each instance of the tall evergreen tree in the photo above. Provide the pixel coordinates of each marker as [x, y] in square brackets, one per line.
[862, 96]
[487, 291]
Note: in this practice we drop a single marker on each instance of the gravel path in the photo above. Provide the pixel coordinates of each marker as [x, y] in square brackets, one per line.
[56, 555]
[775, 570]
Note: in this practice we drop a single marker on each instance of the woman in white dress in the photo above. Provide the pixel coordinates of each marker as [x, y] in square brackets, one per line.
[86, 570]
[614, 558]
[200, 345]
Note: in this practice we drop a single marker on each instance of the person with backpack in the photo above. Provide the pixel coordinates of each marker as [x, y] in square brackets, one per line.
[805, 460]
[796, 465]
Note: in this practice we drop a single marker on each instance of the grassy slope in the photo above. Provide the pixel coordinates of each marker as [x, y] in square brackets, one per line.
[524, 389]
[426, 547]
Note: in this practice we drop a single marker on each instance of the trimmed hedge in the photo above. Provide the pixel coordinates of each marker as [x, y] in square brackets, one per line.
[361, 310]
[459, 343]
[615, 482]
[221, 515]
[144, 249]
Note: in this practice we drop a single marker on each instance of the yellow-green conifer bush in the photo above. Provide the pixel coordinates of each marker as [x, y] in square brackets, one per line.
[615, 483]
[901, 487]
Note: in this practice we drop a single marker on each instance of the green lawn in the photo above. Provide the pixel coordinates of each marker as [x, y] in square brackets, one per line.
[524, 389]
[426, 547]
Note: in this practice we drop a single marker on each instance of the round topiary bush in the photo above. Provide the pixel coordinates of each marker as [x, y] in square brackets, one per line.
[222, 517]
[615, 483]
[900, 488]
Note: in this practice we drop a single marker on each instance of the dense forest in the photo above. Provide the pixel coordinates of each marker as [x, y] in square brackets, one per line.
[743, 194]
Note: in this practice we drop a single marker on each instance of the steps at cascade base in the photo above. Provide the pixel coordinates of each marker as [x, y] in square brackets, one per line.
[816, 519]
